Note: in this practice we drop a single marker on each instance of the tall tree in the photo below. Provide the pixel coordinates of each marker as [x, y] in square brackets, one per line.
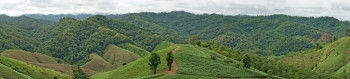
[193, 40]
[154, 61]
[347, 32]
[169, 60]
[246, 61]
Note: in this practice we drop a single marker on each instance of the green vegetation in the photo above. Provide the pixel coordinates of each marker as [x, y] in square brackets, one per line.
[196, 61]
[31, 70]
[169, 59]
[212, 46]
[118, 56]
[178, 76]
[267, 35]
[162, 45]
[97, 64]
[137, 50]
[154, 61]
[137, 68]
[8, 73]
[78, 73]
[246, 62]
[332, 58]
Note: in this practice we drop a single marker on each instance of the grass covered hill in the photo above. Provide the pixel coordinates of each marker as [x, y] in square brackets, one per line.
[333, 57]
[191, 64]
[199, 62]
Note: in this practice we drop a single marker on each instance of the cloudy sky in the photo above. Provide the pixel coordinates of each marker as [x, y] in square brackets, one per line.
[336, 8]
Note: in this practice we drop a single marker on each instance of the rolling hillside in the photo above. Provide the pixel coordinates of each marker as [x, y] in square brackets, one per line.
[267, 35]
[118, 56]
[193, 62]
[96, 65]
[32, 70]
[331, 58]
[135, 69]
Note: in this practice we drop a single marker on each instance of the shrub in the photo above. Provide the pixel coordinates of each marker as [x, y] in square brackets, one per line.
[213, 57]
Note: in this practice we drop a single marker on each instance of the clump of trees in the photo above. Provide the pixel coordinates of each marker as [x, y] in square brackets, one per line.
[78, 73]
[169, 60]
[154, 61]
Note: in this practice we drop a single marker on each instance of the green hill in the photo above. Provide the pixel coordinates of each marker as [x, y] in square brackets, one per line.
[267, 35]
[135, 69]
[118, 56]
[197, 61]
[29, 57]
[9, 73]
[137, 50]
[193, 62]
[331, 58]
[96, 65]
[32, 70]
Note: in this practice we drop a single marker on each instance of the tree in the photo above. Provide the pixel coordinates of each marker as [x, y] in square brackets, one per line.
[193, 40]
[347, 32]
[169, 60]
[246, 61]
[154, 61]
[78, 73]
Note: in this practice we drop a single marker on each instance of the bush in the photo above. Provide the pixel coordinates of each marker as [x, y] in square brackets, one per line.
[213, 57]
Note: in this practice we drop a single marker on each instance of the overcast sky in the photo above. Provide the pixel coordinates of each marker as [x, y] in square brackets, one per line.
[336, 8]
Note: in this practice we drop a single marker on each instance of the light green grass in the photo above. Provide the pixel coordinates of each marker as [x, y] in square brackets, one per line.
[137, 50]
[334, 56]
[196, 61]
[136, 69]
[29, 57]
[8, 73]
[117, 56]
[162, 45]
[331, 58]
[179, 76]
[32, 70]
[97, 64]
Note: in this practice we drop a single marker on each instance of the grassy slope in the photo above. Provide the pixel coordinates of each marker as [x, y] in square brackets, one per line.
[162, 45]
[8, 73]
[135, 69]
[329, 59]
[32, 70]
[117, 56]
[196, 61]
[29, 57]
[40, 60]
[97, 64]
[133, 48]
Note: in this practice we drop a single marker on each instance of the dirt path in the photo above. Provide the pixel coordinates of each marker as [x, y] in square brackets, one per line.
[174, 66]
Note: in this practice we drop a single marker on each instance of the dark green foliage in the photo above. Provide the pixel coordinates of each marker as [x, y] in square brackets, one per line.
[213, 57]
[154, 61]
[246, 62]
[267, 35]
[78, 73]
[193, 40]
[347, 32]
[169, 59]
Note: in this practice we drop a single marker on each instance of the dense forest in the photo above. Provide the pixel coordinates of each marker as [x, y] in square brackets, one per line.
[261, 41]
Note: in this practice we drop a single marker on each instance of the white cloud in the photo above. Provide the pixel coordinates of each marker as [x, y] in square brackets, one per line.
[336, 8]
